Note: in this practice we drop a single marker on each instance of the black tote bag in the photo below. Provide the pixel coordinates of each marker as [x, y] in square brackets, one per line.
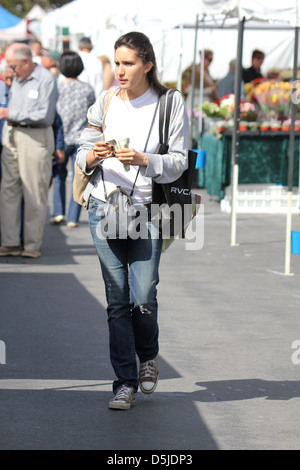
[177, 194]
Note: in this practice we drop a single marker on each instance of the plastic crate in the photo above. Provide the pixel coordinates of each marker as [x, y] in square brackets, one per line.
[261, 200]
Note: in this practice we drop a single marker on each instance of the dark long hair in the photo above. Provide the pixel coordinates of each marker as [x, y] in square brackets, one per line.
[144, 49]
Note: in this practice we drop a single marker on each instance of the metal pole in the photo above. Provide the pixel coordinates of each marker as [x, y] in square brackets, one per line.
[236, 131]
[288, 242]
[194, 76]
[179, 81]
[201, 80]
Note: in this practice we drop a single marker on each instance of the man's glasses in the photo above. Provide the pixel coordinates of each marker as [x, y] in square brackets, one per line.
[13, 67]
[259, 57]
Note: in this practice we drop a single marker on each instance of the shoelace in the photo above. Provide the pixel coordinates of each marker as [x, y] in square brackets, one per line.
[148, 369]
[123, 393]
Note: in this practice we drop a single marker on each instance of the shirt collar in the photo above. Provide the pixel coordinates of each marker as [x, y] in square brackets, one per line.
[35, 74]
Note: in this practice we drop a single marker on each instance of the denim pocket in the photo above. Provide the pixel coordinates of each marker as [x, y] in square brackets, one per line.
[94, 205]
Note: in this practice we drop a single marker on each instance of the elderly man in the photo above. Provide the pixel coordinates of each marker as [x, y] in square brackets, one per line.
[27, 153]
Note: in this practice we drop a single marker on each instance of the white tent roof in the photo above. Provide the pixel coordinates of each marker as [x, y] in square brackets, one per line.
[265, 10]
[104, 23]
[36, 13]
[16, 33]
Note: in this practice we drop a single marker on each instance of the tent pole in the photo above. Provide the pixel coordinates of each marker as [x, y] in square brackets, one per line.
[291, 162]
[201, 79]
[194, 77]
[179, 81]
[162, 63]
[236, 131]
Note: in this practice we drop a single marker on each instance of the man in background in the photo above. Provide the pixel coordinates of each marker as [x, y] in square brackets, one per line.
[227, 84]
[27, 153]
[254, 72]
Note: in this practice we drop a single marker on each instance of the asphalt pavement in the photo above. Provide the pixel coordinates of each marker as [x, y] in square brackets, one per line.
[229, 319]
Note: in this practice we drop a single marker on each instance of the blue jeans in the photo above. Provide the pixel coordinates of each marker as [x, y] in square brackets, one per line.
[59, 187]
[130, 272]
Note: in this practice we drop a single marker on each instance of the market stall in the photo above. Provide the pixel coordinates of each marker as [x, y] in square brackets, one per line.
[264, 128]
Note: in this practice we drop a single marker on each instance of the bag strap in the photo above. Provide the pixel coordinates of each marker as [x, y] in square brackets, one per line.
[164, 116]
[108, 99]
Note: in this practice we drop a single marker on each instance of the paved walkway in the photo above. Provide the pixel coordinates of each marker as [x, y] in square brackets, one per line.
[228, 319]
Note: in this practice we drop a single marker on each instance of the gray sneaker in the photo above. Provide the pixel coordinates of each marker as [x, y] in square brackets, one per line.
[148, 376]
[124, 399]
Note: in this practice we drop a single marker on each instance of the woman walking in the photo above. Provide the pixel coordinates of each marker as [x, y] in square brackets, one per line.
[74, 100]
[130, 267]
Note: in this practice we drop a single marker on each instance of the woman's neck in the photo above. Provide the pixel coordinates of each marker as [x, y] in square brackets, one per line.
[129, 95]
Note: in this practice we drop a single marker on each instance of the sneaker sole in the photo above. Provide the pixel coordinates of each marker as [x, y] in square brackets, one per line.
[120, 405]
[32, 256]
[12, 253]
[58, 221]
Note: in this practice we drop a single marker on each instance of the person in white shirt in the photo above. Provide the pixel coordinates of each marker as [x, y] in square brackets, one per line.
[130, 266]
[93, 68]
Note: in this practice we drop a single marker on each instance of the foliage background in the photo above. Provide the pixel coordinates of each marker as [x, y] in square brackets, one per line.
[22, 7]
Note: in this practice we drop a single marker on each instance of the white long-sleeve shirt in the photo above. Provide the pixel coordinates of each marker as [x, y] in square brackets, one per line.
[133, 119]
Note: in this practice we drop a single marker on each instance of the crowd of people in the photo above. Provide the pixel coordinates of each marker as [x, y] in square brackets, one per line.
[54, 112]
[215, 89]
[48, 109]
[42, 114]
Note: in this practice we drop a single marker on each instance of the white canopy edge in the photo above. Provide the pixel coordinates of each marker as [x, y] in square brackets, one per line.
[266, 10]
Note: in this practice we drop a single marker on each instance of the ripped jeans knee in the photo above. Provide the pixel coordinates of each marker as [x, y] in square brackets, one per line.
[145, 310]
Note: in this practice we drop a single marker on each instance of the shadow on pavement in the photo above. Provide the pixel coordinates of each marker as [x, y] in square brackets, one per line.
[245, 389]
[54, 329]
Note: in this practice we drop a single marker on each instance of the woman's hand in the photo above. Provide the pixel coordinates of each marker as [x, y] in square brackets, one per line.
[100, 151]
[131, 157]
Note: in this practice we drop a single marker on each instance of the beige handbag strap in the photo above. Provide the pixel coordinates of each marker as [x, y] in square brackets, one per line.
[108, 99]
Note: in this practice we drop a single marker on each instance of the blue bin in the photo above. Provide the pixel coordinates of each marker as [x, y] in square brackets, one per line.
[296, 243]
[201, 158]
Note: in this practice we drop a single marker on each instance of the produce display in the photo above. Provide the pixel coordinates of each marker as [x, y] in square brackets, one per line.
[266, 107]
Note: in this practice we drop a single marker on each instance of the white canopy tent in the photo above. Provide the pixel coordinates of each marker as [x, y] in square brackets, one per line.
[34, 18]
[174, 44]
[104, 22]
